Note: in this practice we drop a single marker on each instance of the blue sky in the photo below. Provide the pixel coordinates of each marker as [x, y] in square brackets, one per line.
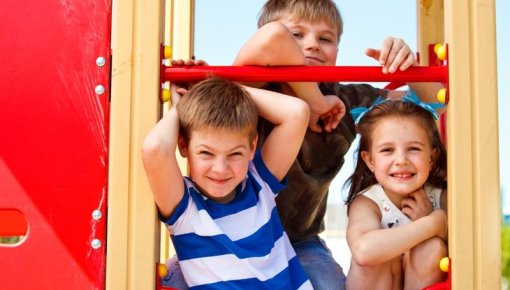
[222, 26]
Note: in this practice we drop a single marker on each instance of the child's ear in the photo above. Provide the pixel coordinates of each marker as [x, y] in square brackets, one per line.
[253, 147]
[368, 160]
[183, 146]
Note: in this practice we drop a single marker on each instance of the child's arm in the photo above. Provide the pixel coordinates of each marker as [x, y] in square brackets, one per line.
[160, 162]
[290, 117]
[273, 45]
[395, 55]
[372, 245]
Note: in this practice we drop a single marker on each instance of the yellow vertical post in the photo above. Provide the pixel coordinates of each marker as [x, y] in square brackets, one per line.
[164, 241]
[132, 250]
[430, 17]
[183, 29]
[179, 34]
[473, 171]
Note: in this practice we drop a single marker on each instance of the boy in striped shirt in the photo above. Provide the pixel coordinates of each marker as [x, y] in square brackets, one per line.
[222, 218]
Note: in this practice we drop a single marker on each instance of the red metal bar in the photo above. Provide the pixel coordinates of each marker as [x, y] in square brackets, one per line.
[305, 73]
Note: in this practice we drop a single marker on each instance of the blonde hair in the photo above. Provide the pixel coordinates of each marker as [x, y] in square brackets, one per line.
[310, 10]
[217, 103]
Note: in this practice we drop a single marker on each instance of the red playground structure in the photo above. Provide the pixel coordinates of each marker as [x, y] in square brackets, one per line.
[80, 87]
[55, 79]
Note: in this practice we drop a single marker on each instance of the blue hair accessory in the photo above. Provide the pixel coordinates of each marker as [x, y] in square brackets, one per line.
[359, 112]
[410, 97]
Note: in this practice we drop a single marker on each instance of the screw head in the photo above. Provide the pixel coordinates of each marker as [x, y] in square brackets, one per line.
[99, 89]
[97, 214]
[96, 244]
[101, 61]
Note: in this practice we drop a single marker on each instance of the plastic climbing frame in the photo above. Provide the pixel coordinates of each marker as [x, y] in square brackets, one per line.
[54, 151]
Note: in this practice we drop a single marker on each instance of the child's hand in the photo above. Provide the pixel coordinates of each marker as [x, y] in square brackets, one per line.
[182, 88]
[416, 205]
[189, 62]
[333, 116]
[177, 91]
[330, 113]
[394, 55]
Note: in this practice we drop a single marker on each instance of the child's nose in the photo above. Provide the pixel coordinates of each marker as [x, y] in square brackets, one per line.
[220, 165]
[311, 43]
[400, 158]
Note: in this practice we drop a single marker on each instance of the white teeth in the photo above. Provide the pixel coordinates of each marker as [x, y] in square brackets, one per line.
[402, 175]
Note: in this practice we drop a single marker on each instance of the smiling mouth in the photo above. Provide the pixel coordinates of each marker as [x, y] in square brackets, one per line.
[402, 175]
[217, 180]
[313, 59]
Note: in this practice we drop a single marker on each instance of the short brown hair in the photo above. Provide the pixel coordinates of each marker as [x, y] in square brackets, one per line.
[311, 10]
[217, 103]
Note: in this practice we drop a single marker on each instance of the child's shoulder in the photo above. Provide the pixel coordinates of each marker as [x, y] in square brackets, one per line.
[373, 195]
[259, 171]
[363, 204]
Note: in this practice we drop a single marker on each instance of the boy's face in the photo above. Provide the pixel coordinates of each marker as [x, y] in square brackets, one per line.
[318, 40]
[218, 160]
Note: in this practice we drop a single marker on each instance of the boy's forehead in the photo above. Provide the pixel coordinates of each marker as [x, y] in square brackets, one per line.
[212, 134]
[298, 20]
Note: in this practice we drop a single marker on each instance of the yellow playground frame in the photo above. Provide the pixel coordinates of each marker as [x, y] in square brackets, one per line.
[139, 28]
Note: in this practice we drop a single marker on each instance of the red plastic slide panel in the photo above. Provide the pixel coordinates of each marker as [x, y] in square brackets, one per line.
[54, 115]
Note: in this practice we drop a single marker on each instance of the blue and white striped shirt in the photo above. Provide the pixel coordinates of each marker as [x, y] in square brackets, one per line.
[238, 245]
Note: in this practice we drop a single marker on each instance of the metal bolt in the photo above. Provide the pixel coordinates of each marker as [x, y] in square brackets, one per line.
[96, 244]
[99, 89]
[101, 61]
[97, 214]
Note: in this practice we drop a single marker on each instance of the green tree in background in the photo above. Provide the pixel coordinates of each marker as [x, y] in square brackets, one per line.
[9, 240]
[505, 251]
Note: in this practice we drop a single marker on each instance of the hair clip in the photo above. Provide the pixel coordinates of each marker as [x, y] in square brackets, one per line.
[359, 112]
[411, 97]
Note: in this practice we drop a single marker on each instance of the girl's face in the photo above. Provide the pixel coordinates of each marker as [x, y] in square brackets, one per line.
[218, 161]
[400, 156]
[318, 40]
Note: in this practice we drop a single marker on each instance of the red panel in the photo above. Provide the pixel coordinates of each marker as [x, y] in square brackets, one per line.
[54, 140]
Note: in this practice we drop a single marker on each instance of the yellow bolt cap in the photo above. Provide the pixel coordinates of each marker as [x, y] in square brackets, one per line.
[165, 95]
[437, 46]
[444, 264]
[162, 271]
[441, 52]
[441, 95]
[167, 52]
